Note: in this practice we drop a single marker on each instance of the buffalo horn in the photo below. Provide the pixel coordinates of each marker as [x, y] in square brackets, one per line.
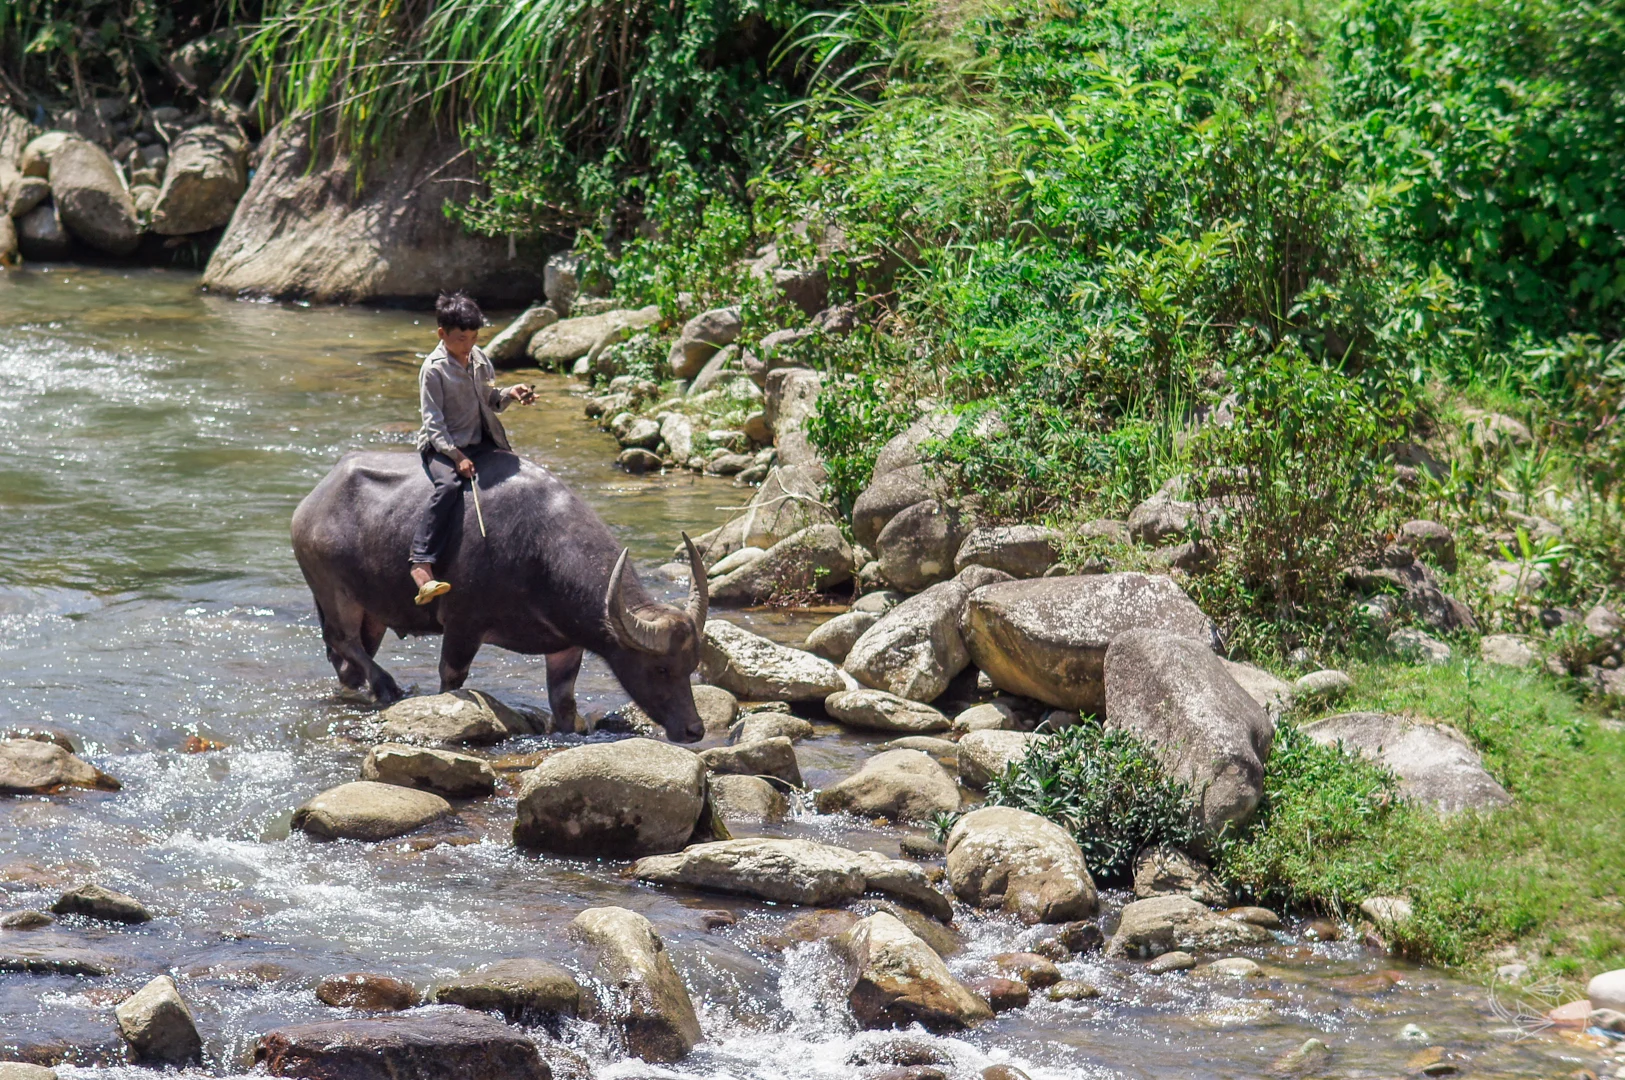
[633, 630]
[699, 590]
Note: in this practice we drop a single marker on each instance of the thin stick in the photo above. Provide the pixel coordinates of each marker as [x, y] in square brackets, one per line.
[474, 486]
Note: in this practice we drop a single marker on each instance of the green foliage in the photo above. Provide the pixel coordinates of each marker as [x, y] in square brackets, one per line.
[79, 49]
[1106, 789]
[855, 417]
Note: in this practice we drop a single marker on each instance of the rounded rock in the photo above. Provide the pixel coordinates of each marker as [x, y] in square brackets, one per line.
[612, 800]
[367, 810]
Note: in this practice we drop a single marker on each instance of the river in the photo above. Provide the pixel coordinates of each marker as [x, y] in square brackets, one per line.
[153, 443]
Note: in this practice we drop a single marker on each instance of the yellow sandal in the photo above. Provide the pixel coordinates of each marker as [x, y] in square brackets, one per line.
[429, 590]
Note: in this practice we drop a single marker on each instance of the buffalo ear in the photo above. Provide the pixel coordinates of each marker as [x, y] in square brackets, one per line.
[632, 630]
[699, 590]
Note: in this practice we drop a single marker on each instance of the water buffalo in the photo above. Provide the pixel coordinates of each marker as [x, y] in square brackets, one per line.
[549, 580]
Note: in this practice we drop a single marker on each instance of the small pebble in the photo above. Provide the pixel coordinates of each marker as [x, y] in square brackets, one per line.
[920, 847]
[1171, 961]
[717, 919]
[1072, 990]
[1236, 967]
[25, 920]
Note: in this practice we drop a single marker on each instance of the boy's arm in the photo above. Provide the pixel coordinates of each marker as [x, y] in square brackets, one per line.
[431, 404]
[500, 399]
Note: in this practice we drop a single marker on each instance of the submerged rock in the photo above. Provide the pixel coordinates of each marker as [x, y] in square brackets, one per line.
[99, 902]
[904, 785]
[369, 993]
[31, 767]
[440, 771]
[1436, 765]
[521, 990]
[895, 980]
[649, 1004]
[429, 1045]
[158, 1026]
[1001, 857]
[612, 800]
[757, 669]
[367, 810]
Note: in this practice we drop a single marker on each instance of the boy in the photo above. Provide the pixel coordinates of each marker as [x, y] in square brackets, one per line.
[459, 404]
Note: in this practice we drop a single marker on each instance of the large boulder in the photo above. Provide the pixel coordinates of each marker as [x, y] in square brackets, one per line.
[41, 235]
[90, 197]
[206, 175]
[158, 1025]
[903, 785]
[790, 398]
[789, 500]
[700, 339]
[917, 547]
[988, 753]
[507, 349]
[1022, 551]
[774, 756]
[612, 800]
[876, 710]
[1274, 695]
[1168, 871]
[458, 776]
[904, 449]
[427, 1045]
[32, 767]
[895, 980]
[1174, 692]
[834, 640]
[777, 870]
[815, 559]
[1436, 765]
[915, 649]
[563, 342]
[306, 229]
[650, 1004]
[368, 810]
[888, 495]
[1001, 857]
[1046, 638]
[520, 989]
[747, 799]
[757, 669]
[1161, 924]
[460, 718]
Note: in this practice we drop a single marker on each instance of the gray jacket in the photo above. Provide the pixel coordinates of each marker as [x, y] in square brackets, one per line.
[455, 402]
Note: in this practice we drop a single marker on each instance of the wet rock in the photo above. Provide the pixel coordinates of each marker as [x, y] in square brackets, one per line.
[896, 980]
[650, 1004]
[206, 176]
[369, 993]
[1417, 647]
[716, 706]
[1310, 1057]
[53, 961]
[1234, 967]
[31, 767]
[1072, 990]
[507, 349]
[1046, 638]
[642, 433]
[757, 726]
[747, 799]
[25, 920]
[91, 199]
[1258, 916]
[1325, 685]
[774, 757]
[903, 785]
[1607, 990]
[1167, 871]
[1165, 923]
[440, 771]
[1322, 930]
[1003, 1072]
[430, 1045]
[834, 639]
[984, 755]
[812, 560]
[1435, 763]
[1001, 857]
[10, 256]
[1032, 969]
[888, 495]
[701, 338]
[568, 340]
[1508, 650]
[28, 192]
[991, 716]
[1079, 937]
[612, 800]
[915, 649]
[1022, 551]
[99, 902]
[915, 887]
[1173, 692]
[915, 847]
[158, 1026]
[757, 669]
[1000, 993]
[42, 733]
[1431, 539]
[41, 235]
[876, 710]
[520, 989]
[1169, 962]
[21, 1070]
[811, 926]
[916, 549]
[912, 1072]
[462, 717]
[367, 810]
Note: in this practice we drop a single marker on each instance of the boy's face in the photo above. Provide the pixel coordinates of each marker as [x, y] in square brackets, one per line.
[459, 343]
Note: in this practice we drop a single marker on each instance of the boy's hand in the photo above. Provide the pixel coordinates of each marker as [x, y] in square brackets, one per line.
[465, 468]
[523, 394]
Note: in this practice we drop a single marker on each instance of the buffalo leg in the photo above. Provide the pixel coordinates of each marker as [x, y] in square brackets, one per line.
[345, 628]
[457, 652]
[562, 669]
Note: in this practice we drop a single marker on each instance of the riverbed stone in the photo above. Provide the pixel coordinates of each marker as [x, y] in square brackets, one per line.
[99, 902]
[774, 756]
[507, 349]
[91, 199]
[1162, 924]
[888, 495]
[31, 767]
[1046, 638]
[568, 340]
[158, 1026]
[1022, 551]
[21, 1070]
[984, 755]
[1168, 871]
[28, 192]
[38, 152]
[26, 919]
[834, 639]
[427, 1045]
[41, 236]
[459, 718]
[895, 980]
[521, 989]
[1172, 691]
[748, 799]
[1002, 857]
[876, 710]
[368, 810]
[1072, 990]
[1607, 990]
[10, 255]
[652, 1007]
[206, 176]
[1000, 993]
[770, 725]
[367, 992]
[1436, 765]
[717, 707]
[1508, 650]
[915, 649]
[757, 669]
[916, 548]
[1034, 970]
[458, 776]
[700, 339]
[1169, 962]
[903, 785]
[815, 559]
[612, 800]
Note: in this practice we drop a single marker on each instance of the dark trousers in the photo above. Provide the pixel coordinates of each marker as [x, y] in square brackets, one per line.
[445, 506]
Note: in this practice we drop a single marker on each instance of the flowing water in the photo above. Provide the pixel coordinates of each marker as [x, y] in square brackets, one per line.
[153, 443]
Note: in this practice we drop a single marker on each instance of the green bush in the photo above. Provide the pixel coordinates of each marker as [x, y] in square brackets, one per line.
[1106, 789]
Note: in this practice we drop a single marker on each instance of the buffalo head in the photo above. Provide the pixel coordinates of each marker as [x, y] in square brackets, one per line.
[660, 648]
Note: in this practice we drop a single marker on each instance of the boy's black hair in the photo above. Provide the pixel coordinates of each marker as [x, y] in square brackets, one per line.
[455, 311]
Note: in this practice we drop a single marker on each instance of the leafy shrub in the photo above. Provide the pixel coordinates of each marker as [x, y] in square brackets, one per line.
[1106, 789]
[856, 415]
